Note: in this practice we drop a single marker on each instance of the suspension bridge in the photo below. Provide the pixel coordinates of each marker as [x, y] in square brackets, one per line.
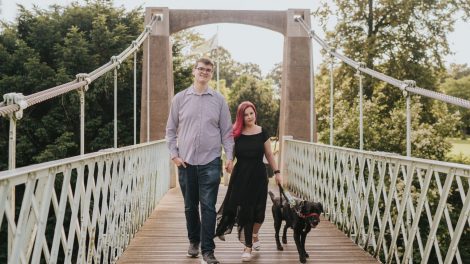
[122, 205]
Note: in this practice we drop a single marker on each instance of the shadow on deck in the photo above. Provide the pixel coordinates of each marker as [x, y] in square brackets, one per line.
[163, 239]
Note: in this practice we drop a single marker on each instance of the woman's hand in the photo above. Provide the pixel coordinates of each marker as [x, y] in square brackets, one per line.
[278, 178]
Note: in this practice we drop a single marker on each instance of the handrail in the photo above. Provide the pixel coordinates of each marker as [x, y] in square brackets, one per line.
[392, 206]
[97, 201]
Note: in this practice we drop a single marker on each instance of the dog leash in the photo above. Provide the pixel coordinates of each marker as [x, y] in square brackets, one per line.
[292, 203]
[288, 196]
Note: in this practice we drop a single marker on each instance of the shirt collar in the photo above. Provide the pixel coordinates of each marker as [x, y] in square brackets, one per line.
[208, 90]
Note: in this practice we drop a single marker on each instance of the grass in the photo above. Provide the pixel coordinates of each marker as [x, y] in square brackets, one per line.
[460, 147]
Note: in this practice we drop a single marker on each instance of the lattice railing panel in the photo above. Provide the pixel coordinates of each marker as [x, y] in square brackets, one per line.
[83, 209]
[401, 210]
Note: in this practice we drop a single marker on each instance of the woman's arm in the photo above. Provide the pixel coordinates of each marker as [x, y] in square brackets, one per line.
[270, 157]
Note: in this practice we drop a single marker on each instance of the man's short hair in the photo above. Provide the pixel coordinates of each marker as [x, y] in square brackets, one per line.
[204, 61]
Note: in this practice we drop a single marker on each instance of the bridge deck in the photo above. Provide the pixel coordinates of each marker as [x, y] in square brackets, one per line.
[163, 239]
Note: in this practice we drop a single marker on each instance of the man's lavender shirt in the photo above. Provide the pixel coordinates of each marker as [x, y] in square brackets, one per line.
[198, 125]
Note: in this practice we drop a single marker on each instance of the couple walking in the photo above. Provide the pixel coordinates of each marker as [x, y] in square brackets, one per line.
[198, 125]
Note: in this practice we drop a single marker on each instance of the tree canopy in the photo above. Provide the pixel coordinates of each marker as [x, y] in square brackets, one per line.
[260, 93]
[403, 39]
[43, 48]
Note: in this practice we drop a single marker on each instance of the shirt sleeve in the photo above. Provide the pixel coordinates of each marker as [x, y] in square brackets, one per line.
[171, 129]
[225, 123]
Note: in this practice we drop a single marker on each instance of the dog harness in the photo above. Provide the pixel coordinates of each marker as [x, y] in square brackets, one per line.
[293, 204]
[308, 215]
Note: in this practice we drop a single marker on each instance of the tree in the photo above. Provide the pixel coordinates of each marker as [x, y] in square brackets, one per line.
[252, 69]
[183, 64]
[392, 38]
[458, 85]
[45, 48]
[260, 93]
[227, 65]
[275, 75]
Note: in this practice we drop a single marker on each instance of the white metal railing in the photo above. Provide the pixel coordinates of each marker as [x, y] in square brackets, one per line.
[83, 209]
[400, 209]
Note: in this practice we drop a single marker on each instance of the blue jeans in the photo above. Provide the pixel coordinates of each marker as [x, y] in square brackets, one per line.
[200, 184]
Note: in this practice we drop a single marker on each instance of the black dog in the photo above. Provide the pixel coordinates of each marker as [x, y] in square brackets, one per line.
[302, 217]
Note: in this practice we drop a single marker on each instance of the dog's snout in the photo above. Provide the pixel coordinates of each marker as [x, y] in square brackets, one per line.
[315, 222]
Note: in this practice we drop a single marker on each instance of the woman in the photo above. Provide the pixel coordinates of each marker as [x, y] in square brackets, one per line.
[245, 202]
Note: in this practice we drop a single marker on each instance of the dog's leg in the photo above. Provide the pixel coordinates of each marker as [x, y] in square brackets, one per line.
[284, 234]
[298, 243]
[277, 228]
[303, 237]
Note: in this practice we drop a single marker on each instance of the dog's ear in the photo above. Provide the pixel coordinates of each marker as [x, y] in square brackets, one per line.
[319, 206]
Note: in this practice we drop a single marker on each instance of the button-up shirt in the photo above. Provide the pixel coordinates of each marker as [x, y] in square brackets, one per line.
[198, 125]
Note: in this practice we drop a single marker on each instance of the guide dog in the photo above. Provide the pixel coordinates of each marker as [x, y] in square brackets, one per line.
[301, 217]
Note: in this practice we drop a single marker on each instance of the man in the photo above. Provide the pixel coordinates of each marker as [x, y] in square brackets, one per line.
[198, 124]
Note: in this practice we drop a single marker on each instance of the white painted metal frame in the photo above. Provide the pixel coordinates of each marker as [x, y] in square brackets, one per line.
[393, 206]
[94, 203]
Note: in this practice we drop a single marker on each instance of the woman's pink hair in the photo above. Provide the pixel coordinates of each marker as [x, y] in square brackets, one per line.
[240, 118]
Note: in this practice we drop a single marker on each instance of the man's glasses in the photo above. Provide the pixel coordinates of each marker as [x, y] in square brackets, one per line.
[202, 69]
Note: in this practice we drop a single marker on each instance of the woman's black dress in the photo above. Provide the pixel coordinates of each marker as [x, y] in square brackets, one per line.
[245, 201]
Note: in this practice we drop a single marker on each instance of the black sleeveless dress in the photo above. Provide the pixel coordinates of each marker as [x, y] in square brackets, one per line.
[245, 201]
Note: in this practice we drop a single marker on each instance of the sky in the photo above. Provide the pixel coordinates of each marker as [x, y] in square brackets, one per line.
[260, 46]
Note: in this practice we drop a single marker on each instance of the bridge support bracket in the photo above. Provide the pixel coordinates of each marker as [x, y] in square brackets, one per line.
[16, 98]
[116, 60]
[407, 84]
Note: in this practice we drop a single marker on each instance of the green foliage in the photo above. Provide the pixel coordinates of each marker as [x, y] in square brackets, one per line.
[275, 75]
[260, 93]
[183, 65]
[458, 85]
[392, 38]
[45, 48]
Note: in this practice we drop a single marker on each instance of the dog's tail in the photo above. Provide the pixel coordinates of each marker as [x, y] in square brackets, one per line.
[271, 194]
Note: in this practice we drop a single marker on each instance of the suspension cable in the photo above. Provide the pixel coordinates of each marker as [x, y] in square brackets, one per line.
[390, 80]
[76, 84]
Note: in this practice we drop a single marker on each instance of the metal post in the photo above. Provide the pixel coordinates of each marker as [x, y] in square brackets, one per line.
[361, 108]
[331, 100]
[81, 92]
[406, 84]
[217, 68]
[148, 87]
[11, 166]
[312, 89]
[115, 107]
[408, 124]
[218, 61]
[282, 163]
[12, 143]
[19, 99]
[135, 97]
[82, 77]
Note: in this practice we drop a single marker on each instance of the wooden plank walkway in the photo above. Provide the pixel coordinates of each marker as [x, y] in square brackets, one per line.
[163, 239]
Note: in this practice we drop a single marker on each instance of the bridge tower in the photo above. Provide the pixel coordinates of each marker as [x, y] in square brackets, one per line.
[295, 88]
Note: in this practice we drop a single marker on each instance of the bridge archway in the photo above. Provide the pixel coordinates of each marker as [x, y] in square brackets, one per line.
[297, 51]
